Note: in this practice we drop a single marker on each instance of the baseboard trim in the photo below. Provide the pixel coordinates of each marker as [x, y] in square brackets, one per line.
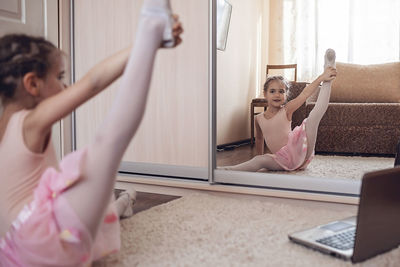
[233, 145]
[177, 186]
[164, 170]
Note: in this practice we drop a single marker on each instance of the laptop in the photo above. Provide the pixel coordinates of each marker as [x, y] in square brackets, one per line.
[374, 230]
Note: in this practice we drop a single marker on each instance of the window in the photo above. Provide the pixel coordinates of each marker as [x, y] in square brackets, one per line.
[361, 32]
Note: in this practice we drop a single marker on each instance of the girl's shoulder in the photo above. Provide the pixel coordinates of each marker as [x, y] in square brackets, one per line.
[286, 113]
[260, 116]
[12, 123]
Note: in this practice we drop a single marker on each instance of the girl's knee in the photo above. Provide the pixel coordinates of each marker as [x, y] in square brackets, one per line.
[263, 158]
[258, 157]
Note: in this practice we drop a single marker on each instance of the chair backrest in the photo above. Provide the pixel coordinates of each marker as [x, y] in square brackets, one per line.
[283, 67]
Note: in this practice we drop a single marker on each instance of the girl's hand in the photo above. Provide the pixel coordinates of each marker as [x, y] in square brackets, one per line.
[329, 74]
[177, 30]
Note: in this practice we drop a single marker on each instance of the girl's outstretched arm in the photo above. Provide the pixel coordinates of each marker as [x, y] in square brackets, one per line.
[328, 75]
[38, 123]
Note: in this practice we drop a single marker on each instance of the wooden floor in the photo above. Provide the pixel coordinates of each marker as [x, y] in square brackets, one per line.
[235, 156]
[146, 201]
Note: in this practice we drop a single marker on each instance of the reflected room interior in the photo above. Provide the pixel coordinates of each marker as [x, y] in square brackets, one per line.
[360, 129]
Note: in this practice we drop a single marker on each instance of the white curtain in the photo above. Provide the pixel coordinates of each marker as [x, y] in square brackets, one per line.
[360, 31]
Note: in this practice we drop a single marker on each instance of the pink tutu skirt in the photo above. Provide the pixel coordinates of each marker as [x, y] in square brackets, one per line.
[47, 232]
[293, 155]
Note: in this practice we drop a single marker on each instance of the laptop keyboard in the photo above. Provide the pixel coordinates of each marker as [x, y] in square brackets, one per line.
[342, 241]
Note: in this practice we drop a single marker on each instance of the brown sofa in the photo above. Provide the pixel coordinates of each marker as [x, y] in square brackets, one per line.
[363, 116]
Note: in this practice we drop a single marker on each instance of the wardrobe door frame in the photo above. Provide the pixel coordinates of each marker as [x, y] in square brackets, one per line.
[344, 189]
[127, 168]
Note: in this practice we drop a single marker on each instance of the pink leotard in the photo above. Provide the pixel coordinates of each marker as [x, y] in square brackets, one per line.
[275, 130]
[288, 147]
[21, 170]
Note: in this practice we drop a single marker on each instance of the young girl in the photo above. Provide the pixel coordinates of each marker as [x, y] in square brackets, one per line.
[59, 214]
[290, 150]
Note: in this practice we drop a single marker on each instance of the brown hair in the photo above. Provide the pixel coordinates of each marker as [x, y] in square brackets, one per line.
[277, 78]
[20, 54]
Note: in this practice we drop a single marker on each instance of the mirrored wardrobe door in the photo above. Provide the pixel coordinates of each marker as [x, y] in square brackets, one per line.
[261, 33]
[173, 137]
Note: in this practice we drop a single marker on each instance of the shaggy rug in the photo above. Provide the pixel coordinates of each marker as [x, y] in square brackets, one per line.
[343, 166]
[210, 230]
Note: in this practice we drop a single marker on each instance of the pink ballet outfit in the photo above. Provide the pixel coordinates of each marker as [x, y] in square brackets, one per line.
[38, 226]
[288, 147]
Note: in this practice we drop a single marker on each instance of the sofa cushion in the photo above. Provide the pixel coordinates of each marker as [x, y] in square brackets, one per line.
[357, 139]
[378, 83]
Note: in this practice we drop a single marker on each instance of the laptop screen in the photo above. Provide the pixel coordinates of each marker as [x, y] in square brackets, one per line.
[378, 214]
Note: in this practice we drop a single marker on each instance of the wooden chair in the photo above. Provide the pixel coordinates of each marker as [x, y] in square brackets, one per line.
[261, 101]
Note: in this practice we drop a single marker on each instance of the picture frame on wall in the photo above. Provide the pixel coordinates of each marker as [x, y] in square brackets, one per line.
[224, 11]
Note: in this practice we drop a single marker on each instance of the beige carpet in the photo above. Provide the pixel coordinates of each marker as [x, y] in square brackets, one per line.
[343, 166]
[209, 230]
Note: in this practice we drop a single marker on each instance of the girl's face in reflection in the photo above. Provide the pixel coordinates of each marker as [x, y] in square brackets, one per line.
[276, 94]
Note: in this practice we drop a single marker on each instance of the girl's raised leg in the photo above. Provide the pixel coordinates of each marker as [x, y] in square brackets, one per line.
[90, 197]
[320, 107]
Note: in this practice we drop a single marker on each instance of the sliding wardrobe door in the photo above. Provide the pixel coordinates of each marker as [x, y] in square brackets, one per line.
[173, 137]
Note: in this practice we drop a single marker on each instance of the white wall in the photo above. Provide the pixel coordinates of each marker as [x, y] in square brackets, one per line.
[241, 68]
